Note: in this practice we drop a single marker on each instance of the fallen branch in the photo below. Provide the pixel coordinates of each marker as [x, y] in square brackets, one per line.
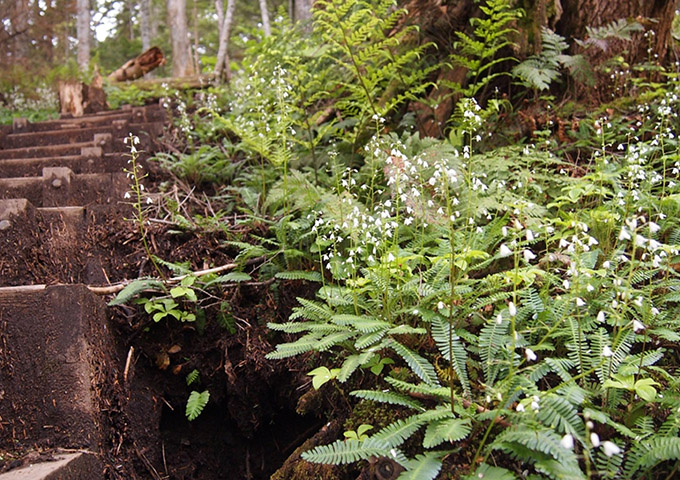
[117, 287]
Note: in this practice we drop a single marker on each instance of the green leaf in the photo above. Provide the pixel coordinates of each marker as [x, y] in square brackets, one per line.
[134, 288]
[192, 376]
[418, 364]
[645, 390]
[423, 467]
[448, 430]
[322, 375]
[195, 404]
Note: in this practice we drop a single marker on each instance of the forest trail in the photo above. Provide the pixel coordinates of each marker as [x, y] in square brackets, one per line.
[61, 184]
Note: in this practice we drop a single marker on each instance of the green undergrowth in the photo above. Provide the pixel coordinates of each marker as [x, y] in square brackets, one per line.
[515, 302]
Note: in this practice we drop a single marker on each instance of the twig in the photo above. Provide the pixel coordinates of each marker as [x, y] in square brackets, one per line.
[117, 287]
[127, 364]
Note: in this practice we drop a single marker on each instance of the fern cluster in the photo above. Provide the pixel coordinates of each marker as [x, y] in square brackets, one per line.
[525, 326]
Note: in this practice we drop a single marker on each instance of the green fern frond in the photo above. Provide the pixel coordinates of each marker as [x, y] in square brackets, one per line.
[196, 403]
[423, 467]
[364, 324]
[649, 453]
[134, 288]
[451, 348]
[390, 398]
[347, 451]
[558, 413]
[448, 430]
[399, 431]
[300, 275]
[306, 343]
[422, 389]
[417, 363]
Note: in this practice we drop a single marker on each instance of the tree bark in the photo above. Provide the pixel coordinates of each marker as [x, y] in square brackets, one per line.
[145, 23]
[654, 15]
[182, 66]
[84, 33]
[266, 26]
[222, 69]
[302, 10]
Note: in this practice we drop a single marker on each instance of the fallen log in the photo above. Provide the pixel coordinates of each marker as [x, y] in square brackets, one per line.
[139, 66]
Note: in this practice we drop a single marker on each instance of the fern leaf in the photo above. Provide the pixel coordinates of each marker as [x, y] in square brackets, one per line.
[192, 376]
[195, 404]
[451, 348]
[300, 275]
[646, 454]
[134, 288]
[418, 364]
[423, 467]
[391, 398]
[399, 431]
[448, 430]
[347, 451]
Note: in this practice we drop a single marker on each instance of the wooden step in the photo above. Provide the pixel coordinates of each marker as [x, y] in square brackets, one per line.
[60, 187]
[54, 340]
[61, 466]
[91, 160]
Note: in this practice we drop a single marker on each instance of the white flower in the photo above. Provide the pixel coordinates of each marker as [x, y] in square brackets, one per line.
[530, 236]
[127, 195]
[567, 441]
[600, 316]
[654, 227]
[530, 355]
[499, 319]
[610, 448]
[607, 352]
[505, 251]
[606, 264]
[637, 326]
[512, 309]
[624, 235]
[441, 305]
[390, 257]
[580, 302]
[595, 439]
[519, 407]
[534, 405]
[528, 255]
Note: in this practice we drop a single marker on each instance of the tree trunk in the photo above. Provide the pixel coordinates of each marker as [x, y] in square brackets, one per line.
[222, 69]
[302, 10]
[20, 27]
[265, 18]
[654, 15]
[145, 23]
[83, 33]
[182, 66]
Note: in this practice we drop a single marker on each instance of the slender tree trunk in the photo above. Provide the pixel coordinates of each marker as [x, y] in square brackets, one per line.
[83, 33]
[145, 23]
[265, 18]
[222, 69]
[182, 65]
[197, 63]
[302, 10]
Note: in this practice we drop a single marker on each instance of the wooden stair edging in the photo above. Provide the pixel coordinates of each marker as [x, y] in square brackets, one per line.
[81, 465]
[54, 339]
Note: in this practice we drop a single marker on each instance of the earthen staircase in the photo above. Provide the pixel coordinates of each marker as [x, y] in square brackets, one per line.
[58, 180]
